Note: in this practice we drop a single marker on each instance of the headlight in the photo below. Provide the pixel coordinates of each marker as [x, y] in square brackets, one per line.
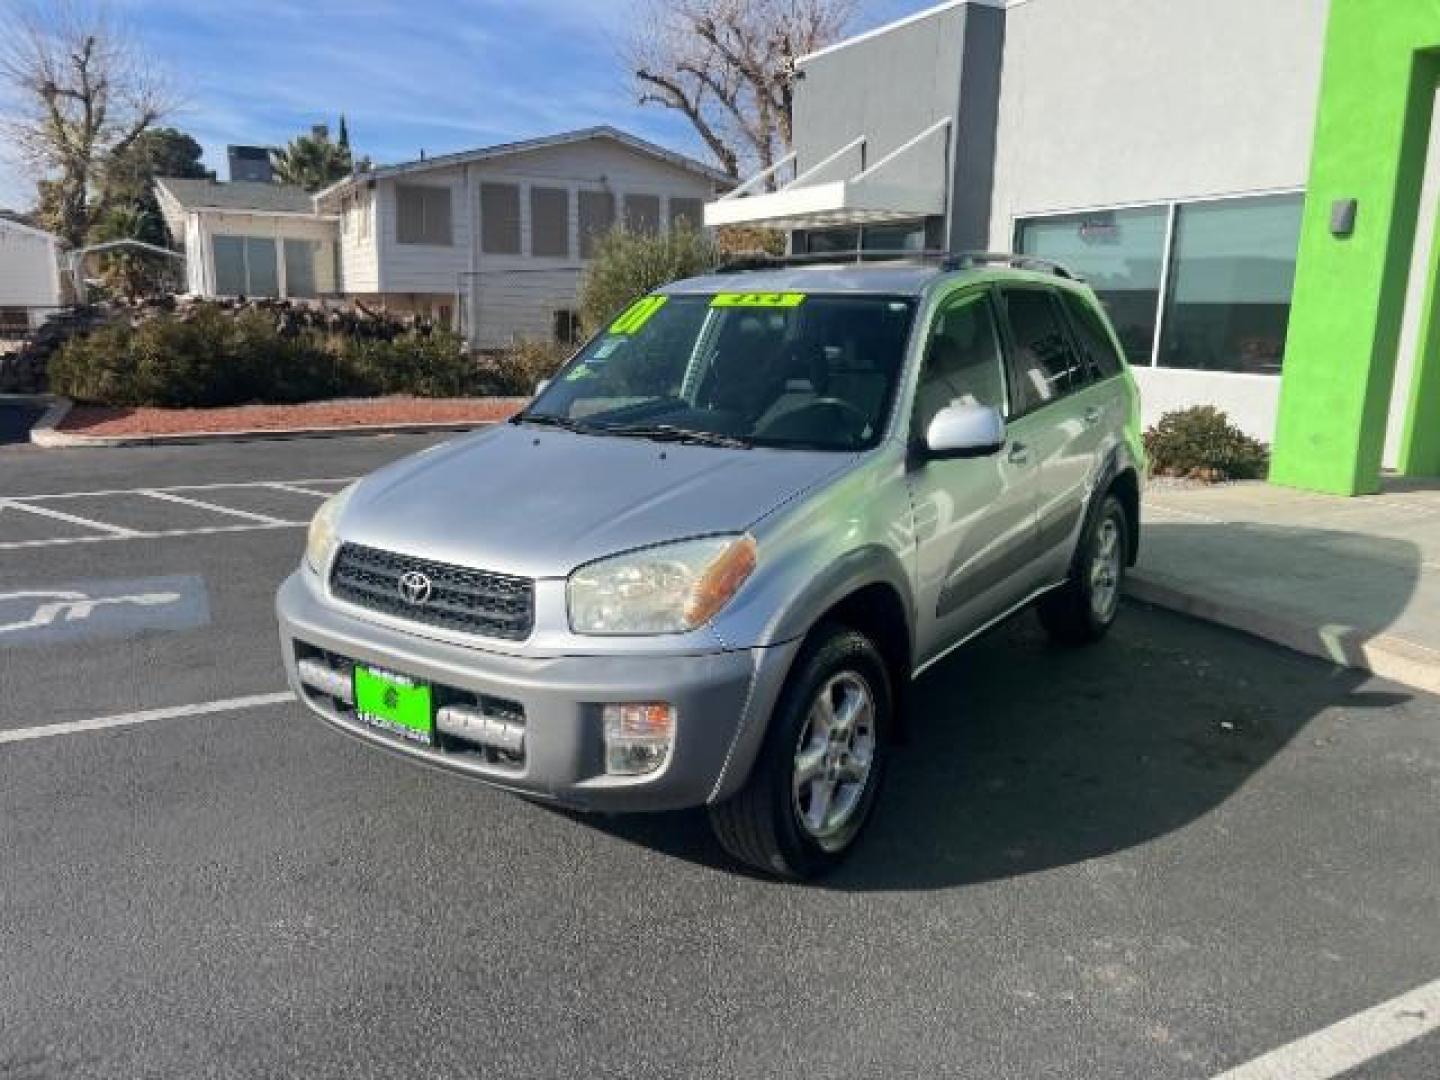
[661, 590]
[320, 544]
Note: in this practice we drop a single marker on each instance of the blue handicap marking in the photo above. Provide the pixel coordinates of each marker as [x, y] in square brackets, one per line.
[80, 611]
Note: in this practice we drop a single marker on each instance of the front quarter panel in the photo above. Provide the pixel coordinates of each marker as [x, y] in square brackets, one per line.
[854, 531]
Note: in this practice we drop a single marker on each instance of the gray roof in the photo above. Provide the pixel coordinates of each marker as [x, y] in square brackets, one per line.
[484, 153]
[266, 198]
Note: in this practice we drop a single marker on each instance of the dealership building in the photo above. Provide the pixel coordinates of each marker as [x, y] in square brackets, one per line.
[1249, 185]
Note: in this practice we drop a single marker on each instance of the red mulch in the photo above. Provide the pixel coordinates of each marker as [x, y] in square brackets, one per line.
[94, 420]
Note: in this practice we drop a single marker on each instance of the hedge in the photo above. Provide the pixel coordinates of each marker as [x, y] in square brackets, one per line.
[212, 357]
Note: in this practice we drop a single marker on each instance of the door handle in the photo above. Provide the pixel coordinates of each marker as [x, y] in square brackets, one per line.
[1092, 415]
[1019, 453]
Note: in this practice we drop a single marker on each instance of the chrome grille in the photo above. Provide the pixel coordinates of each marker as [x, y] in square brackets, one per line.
[471, 601]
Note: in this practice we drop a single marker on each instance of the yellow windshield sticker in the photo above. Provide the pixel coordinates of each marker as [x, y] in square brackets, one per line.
[758, 299]
[633, 318]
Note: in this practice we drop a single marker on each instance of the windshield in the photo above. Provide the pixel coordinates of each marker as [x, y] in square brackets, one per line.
[772, 369]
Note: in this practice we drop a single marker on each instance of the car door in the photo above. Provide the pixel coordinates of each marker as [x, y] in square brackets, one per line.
[974, 517]
[1055, 425]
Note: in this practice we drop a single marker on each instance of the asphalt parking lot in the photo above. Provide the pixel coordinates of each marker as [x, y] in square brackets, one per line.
[1162, 857]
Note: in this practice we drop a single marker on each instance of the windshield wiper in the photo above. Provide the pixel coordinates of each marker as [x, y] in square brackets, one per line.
[565, 423]
[671, 433]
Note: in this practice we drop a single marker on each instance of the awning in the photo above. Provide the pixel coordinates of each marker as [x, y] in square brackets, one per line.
[906, 184]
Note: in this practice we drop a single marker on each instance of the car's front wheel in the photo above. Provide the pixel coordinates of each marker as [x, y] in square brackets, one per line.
[815, 781]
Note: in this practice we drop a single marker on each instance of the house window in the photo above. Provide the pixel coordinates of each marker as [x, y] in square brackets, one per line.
[550, 222]
[1232, 271]
[1120, 253]
[597, 217]
[642, 214]
[246, 266]
[500, 219]
[422, 215]
[567, 327]
[301, 259]
[687, 212]
[14, 321]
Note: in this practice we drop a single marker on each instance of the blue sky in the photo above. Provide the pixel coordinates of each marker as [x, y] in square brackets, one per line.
[437, 75]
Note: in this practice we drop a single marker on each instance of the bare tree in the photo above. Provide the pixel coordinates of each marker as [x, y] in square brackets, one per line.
[85, 94]
[728, 66]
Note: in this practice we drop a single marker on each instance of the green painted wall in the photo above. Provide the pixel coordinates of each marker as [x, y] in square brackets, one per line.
[1376, 98]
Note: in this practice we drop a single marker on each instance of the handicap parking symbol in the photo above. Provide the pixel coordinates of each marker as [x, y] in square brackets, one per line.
[101, 609]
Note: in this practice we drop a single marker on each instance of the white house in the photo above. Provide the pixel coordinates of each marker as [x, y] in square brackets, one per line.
[30, 282]
[494, 240]
[250, 239]
[490, 241]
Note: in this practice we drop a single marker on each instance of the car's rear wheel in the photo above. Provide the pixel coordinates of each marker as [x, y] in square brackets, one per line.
[815, 781]
[1084, 609]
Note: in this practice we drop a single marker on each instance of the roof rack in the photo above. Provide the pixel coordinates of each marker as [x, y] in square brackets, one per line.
[761, 261]
[943, 260]
[968, 260]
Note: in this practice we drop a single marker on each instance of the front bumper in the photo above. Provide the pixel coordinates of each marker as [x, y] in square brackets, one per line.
[722, 699]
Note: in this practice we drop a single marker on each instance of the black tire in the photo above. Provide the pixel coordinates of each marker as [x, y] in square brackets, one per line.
[1082, 611]
[761, 824]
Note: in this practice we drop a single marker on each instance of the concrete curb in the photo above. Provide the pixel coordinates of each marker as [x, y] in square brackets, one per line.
[45, 433]
[1385, 655]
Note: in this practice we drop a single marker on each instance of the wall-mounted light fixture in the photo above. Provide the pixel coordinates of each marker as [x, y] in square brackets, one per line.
[1342, 217]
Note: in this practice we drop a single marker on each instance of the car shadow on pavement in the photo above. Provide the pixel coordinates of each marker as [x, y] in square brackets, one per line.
[1022, 757]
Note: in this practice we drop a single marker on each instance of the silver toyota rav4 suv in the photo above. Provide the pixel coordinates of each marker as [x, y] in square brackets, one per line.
[703, 567]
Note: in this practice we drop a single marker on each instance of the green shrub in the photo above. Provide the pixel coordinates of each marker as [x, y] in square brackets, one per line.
[628, 265]
[425, 364]
[210, 357]
[1201, 444]
[516, 371]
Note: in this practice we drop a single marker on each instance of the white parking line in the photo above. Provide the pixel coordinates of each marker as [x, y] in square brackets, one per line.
[295, 490]
[46, 512]
[179, 712]
[160, 534]
[179, 487]
[1351, 1042]
[171, 497]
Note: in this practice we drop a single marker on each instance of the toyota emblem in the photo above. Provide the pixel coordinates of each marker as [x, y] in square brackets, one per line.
[415, 588]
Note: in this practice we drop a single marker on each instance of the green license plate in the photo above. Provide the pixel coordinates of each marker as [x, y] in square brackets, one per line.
[395, 704]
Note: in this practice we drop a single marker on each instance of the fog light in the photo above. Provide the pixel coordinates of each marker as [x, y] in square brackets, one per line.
[637, 738]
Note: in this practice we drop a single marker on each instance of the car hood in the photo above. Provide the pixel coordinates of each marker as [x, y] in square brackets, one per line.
[538, 503]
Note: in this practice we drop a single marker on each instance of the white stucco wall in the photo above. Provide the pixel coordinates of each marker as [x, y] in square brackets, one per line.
[1109, 103]
[1249, 400]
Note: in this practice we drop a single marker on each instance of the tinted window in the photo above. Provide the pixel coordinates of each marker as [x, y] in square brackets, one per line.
[500, 219]
[422, 215]
[1120, 253]
[1094, 337]
[790, 370]
[963, 361]
[597, 217]
[1046, 366]
[549, 222]
[1232, 274]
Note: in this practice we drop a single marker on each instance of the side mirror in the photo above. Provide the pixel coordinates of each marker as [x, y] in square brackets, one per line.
[965, 431]
[541, 386]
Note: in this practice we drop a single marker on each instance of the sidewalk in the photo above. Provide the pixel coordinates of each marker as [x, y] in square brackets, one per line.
[1355, 581]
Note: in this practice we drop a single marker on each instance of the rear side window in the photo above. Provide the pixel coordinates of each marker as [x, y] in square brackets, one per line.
[1047, 366]
[1093, 335]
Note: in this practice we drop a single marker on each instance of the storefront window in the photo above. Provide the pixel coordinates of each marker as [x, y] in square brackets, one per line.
[1232, 273]
[1120, 253]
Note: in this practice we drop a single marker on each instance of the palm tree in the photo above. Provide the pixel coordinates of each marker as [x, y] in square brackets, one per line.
[313, 161]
